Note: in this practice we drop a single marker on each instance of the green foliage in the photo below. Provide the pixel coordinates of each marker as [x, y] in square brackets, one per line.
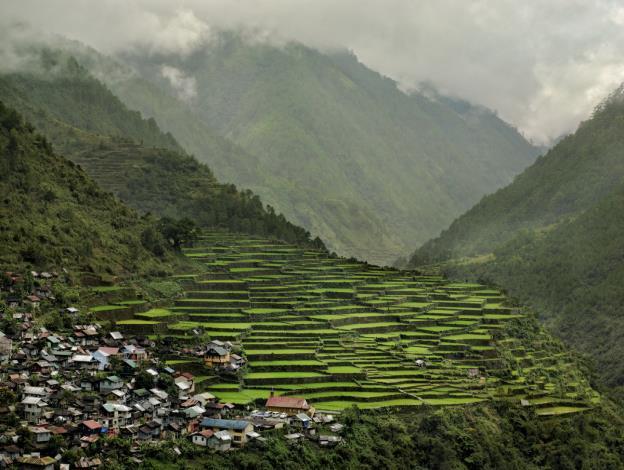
[567, 259]
[163, 289]
[55, 322]
[63, 92]
[165, 382]
[8, 325]
[132, 158]
[143, 379]
[572, 177]
[81, 228]
[475, 437]
[178, 232]
[336, 147]
[7, 397]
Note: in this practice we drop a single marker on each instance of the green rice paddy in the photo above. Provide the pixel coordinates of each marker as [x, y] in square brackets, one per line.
[341, 333]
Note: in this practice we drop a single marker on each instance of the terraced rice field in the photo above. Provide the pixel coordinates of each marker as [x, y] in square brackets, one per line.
[340, 332]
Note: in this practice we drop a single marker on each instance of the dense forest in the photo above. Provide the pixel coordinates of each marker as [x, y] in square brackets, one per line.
[53, 215]
[553, 239]
[129, 155]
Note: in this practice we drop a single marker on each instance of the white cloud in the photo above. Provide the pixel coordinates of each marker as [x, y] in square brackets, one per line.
[542, 64]
[185, 87]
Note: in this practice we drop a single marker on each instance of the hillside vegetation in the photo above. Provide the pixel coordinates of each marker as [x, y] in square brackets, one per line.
[496, 391]
[475, 437]
[553, 239]
[129, 155]
[351, 333]
[53, 215]
[335, 146]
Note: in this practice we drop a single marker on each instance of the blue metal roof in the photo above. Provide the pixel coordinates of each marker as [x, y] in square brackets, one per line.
[237, 424]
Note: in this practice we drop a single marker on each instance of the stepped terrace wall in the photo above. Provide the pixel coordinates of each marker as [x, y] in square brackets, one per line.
[342, 332]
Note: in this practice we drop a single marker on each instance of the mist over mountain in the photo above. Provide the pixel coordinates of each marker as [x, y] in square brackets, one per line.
[129, 155]
[333, 145]
[200, 200]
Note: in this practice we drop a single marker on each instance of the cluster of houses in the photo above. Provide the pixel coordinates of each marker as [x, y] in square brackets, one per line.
[80, 386]
[31, 296]
[217, 355]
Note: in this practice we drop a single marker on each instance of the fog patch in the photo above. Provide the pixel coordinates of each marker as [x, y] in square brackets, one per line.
[184, 86]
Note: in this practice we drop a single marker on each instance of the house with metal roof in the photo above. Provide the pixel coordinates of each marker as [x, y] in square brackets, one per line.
[289, 405]
[236, 428]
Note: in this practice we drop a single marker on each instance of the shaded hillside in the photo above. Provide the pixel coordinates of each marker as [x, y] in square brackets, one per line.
[573, 176]
[341, 150]
[170, 184]
[197, 138]
[553, 239]
[128, 160]
[63, 90]
[55, 216]
[574, 275]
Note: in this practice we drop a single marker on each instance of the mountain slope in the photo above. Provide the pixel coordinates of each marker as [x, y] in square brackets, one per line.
[54, 216]
[571, 177]
[553, 239]
[341, 150]
[574, 275]
[75, 112]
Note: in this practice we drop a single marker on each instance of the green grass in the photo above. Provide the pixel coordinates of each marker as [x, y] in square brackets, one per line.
[105, 289]
[341, 405]
[452, 401]
[344, 370]
[278, 363]
[416, 350]
[137, 322]
[106, 308]
[317, 385]
[258, 352]
[281, 375]
[156, 313]
[264, 311]
[453, 339]
[355, 326]
[559, 410]
[242, 397]
[468, 336]
[189, 325]
[132, 302]
[348, 394]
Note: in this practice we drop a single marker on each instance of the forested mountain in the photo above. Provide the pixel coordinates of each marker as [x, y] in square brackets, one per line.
[129, 155]
[553, 238]
[53, 215]
[335, 146]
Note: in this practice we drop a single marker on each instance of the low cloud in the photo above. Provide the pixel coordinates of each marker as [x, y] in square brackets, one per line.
[184, 86]
[541, 65]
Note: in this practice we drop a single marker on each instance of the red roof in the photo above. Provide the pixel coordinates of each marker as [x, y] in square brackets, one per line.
[288, 402]
[108, 350]
[57, 430]
[207, 432]
[92, 424]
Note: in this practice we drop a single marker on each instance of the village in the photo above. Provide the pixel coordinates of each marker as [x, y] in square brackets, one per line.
[67, 391]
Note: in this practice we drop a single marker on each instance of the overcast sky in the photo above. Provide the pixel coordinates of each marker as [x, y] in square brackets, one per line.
[542, 64]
